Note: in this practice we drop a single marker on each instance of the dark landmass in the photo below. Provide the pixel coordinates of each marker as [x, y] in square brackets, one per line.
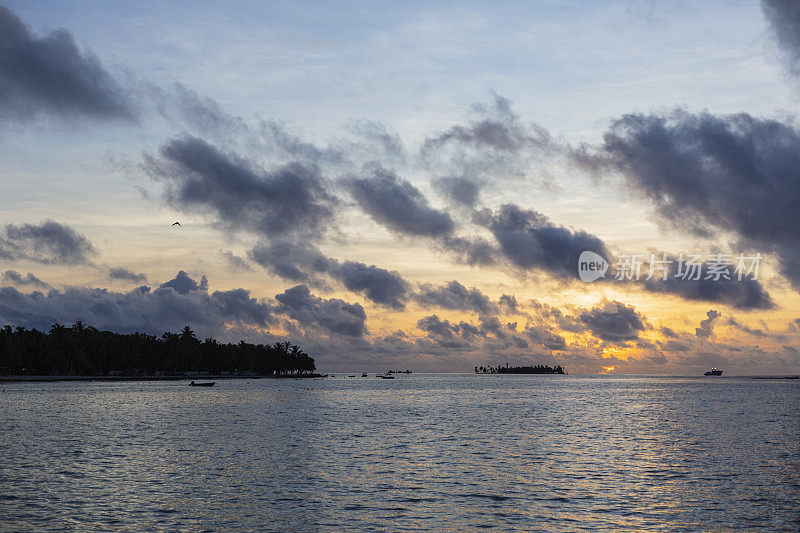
[538, 369]
[83, 352]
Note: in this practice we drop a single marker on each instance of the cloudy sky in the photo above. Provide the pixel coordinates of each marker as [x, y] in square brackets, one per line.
[409, 186]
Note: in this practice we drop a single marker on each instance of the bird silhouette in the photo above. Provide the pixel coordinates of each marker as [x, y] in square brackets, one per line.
[177, 224]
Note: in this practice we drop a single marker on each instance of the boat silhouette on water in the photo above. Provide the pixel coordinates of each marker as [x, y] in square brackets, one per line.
[714, 372]
[207, 384]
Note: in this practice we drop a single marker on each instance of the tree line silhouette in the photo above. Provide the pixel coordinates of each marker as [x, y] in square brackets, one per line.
[83, 350]
[538, 369]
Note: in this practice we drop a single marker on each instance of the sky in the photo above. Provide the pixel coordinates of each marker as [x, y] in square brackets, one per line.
[410, 186]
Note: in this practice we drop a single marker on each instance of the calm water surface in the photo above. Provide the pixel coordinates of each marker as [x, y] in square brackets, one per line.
[442, 452]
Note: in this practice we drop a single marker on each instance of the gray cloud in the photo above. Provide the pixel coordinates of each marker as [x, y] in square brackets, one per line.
[378, 284]
[295, 261]
[378, 139]
[300, 261]
[784, 20]
[235, 263]
[489, 335]
[458, 189]
[332, 315]
[746, 294]
[499, 130]
[542, 335]
[12, 277]
[614, 322]
[509, 303]
[494, 147]
[184, 284]
[290, 200]
[446, 334]
[472, 251]
[49, 75]
[125, 274]
[142, 309]
[528, 240]
[454, 295]
[182, 301]
[755, 332]
[397, 204]
[712, 174]
[47, 243]
[706, 329]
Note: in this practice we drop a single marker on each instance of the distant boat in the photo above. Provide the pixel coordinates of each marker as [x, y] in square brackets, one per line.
[364, 375]
[351, 376]
[385, 377]
[714, 372]
[207, 384]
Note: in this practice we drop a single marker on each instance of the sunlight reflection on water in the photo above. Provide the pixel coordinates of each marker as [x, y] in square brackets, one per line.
[443, 452]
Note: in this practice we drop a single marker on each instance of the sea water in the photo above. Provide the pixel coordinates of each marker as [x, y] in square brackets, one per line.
[445, 452]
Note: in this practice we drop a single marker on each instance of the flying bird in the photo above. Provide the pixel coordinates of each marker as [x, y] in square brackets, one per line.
[177, 224]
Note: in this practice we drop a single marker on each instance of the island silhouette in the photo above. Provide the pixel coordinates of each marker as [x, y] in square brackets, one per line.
[83, 350]
[538, 369]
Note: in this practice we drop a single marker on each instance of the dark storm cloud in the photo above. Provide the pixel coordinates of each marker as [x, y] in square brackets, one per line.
[460, 190]
[711, 174]
[332, 315]
[124, 274]
[454, 295]
[300, 261]
[378, 284]
[47, 243]
[397, 204]
[614, 321]
[528, 240]
[184, 284]
[142, 309]
[706, 329]
[290, 200]
[12, 277]
[182, 301]
[49, 75]
[784, 20]
[745, 294]
[237, 305]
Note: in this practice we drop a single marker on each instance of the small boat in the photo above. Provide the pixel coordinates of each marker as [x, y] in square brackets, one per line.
[385, 377]
[351, 376]
[364, 375]
[206, 384]
[714, 372]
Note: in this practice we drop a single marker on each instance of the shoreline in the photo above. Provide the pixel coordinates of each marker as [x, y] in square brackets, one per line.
[49, 379]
